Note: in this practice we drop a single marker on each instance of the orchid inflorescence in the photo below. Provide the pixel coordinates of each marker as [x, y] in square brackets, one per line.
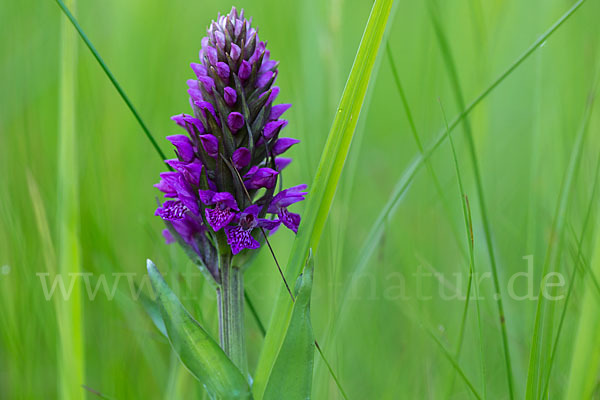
[226, 173]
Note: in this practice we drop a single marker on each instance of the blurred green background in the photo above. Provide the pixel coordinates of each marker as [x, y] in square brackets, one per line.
[525, 133]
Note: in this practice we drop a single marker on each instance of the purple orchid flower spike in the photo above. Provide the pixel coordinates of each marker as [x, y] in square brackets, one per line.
[228, 158]
[224, 211]
[239, 237]
[227, 161]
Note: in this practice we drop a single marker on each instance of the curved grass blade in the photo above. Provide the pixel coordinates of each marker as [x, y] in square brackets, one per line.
[292, 373]
[326, 180]
[197, 350]
[410, 172]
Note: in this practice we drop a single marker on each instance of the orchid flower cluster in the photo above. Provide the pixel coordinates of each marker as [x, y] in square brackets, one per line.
[224, 179]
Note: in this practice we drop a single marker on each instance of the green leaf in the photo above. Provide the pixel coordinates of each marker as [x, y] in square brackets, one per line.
[293, 370]
[325, 183]
[197, 350]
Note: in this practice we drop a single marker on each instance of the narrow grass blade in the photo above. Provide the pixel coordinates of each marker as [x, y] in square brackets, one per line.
[113, 80]
[454, 363]
[416, 137]
[479, 324]
[70, 314]
[583, 375]
[470, 245]
[330, 369]
[326, 179]
[558, 223]
[376, 231]
[194, 346]
[577, 260]
[455, 83]
[254, 313]
[97, 393]
[292, 373]
[414, 319]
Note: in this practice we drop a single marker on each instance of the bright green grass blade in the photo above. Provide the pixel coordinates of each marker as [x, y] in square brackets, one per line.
[194, 346]
[454, 80]
[576, 260]
[292, 373]
[586, 352]
[376, 231]
[70, 314]
[326, 180]
[558, 224]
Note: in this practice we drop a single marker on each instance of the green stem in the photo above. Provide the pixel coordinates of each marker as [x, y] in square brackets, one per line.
[231, 312]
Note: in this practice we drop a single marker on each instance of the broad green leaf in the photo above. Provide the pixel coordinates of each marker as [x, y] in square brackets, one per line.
[197, 350]
[291, 376]
[325, 183]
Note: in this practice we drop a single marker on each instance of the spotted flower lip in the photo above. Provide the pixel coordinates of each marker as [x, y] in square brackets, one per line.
[172, 210]
[229, 156]
[239, 236]
[224, 210]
